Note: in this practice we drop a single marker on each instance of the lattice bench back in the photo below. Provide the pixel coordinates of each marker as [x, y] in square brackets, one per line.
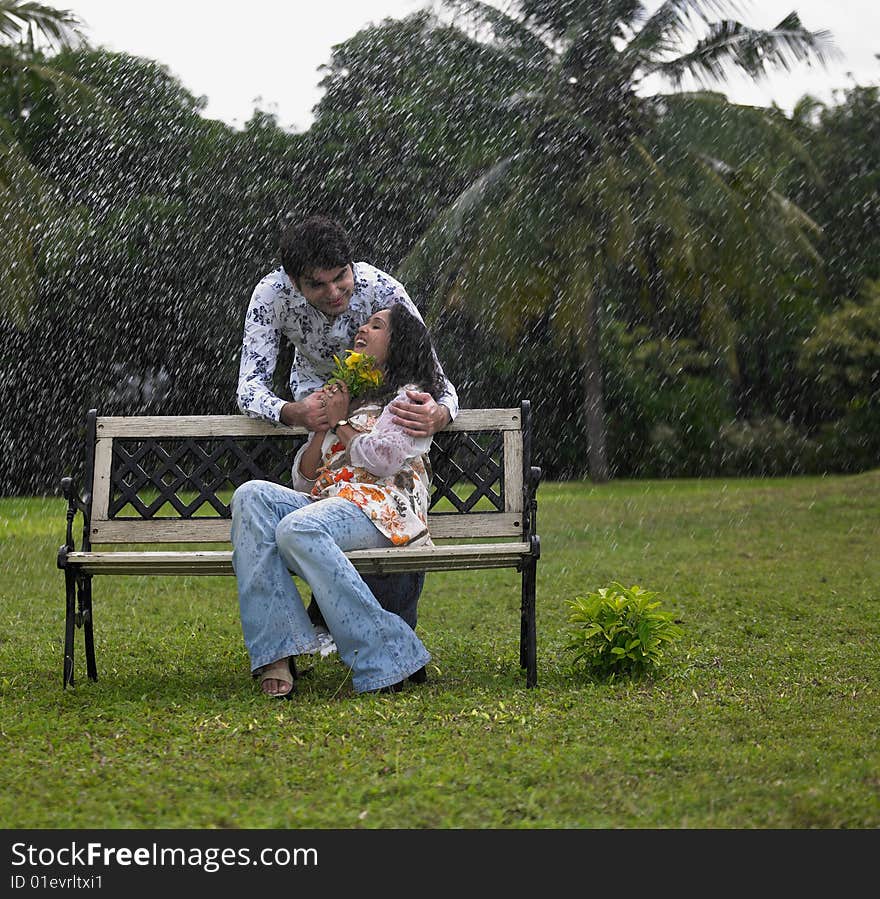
[169, 479]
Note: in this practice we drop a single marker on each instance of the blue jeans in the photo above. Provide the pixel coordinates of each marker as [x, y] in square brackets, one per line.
[398, 593]
[276, 531]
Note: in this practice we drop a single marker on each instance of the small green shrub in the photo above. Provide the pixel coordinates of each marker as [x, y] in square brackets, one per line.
[619, 631]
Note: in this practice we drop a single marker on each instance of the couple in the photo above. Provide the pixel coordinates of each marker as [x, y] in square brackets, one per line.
[361, 479]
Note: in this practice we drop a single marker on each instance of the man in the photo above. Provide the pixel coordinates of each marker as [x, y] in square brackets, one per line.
[317, 300]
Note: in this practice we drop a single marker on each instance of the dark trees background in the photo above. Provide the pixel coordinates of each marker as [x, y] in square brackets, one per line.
[155, 224]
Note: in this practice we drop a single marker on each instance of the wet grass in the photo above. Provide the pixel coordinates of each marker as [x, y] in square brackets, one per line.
[766, 715]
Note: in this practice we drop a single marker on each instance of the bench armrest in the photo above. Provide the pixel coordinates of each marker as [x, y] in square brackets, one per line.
[530, 501]
[75, 503]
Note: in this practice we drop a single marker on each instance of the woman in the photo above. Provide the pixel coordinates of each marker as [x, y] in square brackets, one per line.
[363, 484]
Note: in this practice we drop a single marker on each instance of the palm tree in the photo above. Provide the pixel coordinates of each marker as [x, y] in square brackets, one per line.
[24, 28]
[608, 185]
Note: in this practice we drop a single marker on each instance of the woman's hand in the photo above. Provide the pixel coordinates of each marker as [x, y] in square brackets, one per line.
[336, 401]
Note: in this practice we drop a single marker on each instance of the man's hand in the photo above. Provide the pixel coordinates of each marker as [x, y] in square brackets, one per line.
[310, 412]
[421, 416]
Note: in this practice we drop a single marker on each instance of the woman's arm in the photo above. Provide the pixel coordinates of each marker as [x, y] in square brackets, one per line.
[299, 480]
[385, 449]
[311, 457]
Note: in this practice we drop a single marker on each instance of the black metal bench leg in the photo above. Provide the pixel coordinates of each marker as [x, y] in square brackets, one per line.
[528, 650]
[69, 623]
[85, 608]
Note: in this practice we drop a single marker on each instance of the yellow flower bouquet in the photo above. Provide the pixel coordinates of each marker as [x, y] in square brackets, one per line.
[358, 371]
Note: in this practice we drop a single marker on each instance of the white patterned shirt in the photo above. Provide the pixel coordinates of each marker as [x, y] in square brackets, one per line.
[277, 309]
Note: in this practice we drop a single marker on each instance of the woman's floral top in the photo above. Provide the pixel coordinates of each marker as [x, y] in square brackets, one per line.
[383, 471]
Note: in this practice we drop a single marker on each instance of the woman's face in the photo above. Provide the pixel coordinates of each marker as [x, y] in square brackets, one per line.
[374, 336]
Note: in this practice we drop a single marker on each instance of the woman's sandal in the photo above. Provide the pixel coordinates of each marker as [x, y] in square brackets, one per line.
[283, 672]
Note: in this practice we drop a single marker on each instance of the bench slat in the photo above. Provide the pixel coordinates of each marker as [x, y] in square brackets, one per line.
[367, 561]
[242, 426]
[101, 491]
[513, 471]
[216, 530]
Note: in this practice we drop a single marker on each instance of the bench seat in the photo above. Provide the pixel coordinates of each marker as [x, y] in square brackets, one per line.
[366, 561]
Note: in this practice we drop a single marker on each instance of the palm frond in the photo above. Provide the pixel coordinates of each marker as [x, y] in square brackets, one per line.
[503, 30]
[525, 104]
[59, 27]
[435, 260]
[576, 289]
[794, 215]
[672, 21]
[16, 170]
[669, 204]
[707, 119]
[781, 224]
[504, 278]
[753, 51]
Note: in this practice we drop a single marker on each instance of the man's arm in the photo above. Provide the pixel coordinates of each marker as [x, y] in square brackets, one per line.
[421, 415]
[385, 450]
[259, 355]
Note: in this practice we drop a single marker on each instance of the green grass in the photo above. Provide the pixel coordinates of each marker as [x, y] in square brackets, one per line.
[765, 715]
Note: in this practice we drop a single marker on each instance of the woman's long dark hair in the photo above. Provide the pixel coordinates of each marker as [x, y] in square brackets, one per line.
[411, 359]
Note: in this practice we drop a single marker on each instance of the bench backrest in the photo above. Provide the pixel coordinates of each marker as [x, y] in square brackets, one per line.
[169, 479]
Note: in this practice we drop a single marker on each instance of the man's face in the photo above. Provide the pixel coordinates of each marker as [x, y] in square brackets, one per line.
[329, 290]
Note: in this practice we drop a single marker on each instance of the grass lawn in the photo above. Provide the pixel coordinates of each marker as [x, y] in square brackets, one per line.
[765, 715]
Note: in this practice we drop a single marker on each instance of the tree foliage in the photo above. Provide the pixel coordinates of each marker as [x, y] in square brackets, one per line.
[25, 29]
[692, 272]
[607, 187]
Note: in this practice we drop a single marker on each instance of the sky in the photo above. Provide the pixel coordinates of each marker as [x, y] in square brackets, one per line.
[269, 57]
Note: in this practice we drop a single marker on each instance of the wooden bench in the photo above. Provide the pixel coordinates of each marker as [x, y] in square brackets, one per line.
[169, 480]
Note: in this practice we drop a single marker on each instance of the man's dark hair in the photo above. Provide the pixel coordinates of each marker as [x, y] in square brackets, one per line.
[411, 359]
[316, 243]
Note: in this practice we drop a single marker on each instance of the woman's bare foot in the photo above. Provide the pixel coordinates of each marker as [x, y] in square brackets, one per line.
[276, 679]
